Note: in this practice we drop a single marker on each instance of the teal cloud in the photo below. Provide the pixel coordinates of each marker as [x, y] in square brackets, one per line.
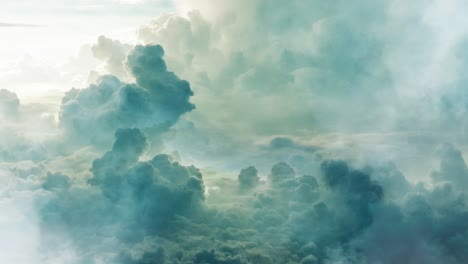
[157, 99]
[270, 77]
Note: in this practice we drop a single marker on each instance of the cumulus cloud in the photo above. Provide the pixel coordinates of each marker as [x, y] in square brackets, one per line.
[248, 177]
[155, 101]
[312, 55]
[124, 199]
[308, 69]
[134, 209]
[351, 215]
[285, 91]
[280, 172]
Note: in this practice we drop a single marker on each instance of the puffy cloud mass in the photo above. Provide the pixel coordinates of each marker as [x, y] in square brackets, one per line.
[248, 177]
[155, 101]
[156, 210]
[304, 69]
[319, 138]
[124, 202]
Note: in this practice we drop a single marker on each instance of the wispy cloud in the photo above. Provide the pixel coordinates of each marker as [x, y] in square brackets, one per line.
[17, 25]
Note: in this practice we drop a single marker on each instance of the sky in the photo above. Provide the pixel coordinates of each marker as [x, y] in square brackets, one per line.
[232, 132]
[45, 37]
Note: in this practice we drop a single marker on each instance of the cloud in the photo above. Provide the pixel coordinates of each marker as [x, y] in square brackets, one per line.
[9, 103]
[155, 101]
[303, 96]
[248, 177]
[25, 127]
[452, 166]
[134, 209]
[281, 172]
[17, 25]
[113, 53]
[132, 200]
[282, 143]
[310, 69]
[271, 71]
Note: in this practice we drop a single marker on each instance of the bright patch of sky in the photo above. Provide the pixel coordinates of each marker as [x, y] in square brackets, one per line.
[41, 37]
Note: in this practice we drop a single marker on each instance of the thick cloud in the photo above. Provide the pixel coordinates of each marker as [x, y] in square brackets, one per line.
[307, 70]
[452, 167]
[248, 177]
[281, 172]
[56, 181]
[166, 89]
[126, 199]
[271, 77]
[293, 58]
[132, 209]
[155, 102]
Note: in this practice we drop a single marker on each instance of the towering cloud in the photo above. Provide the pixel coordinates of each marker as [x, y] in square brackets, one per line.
[155, 101]
[125, 199]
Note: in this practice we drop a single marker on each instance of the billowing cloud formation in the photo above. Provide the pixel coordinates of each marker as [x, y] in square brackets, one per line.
[308, 69]
[248, 177]
[155, 101]
[124, 199]
[271, 77]
[310, 61]
[158, 211]
[281, 171]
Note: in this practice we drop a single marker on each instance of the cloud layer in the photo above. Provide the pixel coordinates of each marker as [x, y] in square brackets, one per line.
[319, 136]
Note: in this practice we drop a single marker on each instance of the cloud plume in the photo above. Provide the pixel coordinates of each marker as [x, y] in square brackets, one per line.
[156, 100]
